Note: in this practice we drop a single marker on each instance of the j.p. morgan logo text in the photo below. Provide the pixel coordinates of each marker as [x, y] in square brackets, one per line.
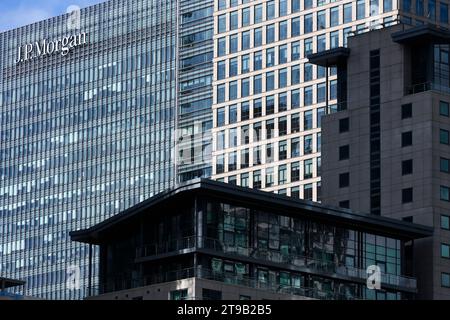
[46, 47]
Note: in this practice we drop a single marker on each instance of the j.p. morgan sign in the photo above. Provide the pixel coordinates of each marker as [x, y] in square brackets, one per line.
[46, 47]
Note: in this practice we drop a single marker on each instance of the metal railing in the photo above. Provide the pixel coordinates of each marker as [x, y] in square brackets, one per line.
[426, 86]
[119, 284]
[320, 265]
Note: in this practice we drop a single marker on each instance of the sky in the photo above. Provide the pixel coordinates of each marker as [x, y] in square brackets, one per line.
[17, 13]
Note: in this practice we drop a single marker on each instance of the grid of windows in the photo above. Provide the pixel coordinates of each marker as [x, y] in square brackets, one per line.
[84, 136]
[281, 91]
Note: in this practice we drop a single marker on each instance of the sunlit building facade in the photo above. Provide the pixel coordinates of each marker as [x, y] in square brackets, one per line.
[269, 100]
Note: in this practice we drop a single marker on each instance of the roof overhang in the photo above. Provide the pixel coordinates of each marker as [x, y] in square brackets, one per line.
[420, 34]
[10, 283]
[261, 200]
[331, 57]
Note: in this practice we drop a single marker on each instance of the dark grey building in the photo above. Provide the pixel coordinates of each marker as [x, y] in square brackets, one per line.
[211, 240]
[388, 153]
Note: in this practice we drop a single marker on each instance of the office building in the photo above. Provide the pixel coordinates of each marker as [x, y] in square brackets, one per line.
[87, 119]
[269, 99]
[388, 153]
[211, 240]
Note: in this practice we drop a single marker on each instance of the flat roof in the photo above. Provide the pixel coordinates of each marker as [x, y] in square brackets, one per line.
[329, 57]
[427, 32]
[9, 283]
[266, 201]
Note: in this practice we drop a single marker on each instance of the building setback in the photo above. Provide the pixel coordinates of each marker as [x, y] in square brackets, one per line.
[388, 153]
[211, 240]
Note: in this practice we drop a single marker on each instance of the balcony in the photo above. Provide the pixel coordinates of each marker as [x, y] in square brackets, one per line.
[302, 262]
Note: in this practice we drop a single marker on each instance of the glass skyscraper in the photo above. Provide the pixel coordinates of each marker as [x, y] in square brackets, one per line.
[87, 130]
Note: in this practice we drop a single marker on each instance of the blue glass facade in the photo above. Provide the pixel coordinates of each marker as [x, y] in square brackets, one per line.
[84, 135]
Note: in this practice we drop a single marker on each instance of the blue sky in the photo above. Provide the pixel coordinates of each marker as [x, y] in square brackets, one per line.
[16, 13]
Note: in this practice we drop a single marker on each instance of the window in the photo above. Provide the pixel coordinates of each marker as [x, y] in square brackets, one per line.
[445, 193]
[295, 6]
[344, 180]
[374, 7]
[295, 99]
[360, 9]
[320, 114]
[334, 39]
[257, 60]
[445, 279]
[295, 171]
[232, 161]
[308, 146]
[257, 156]
[308, 192]
[406, 111]
[344, 204]
[246, 40]
[308, 96]
[321, 20]
[445, 165]
[307, 4]
[234, 20]
[321, 92]
[387, 5]
[258, 13]
[321, 43]
[220, 117]
[334, 16]
[245, 63]
[282, 54]
[222, 47]
[209, 294]
[308, 23]
[308, 120]
[270, 33]
[308, 71]
[270, 57]
[245, 158]
[220, 165]
[222, 23]
[282, 126]
[179, 294]
[257, 108]
[347, 12]
[233, 67]
[270, 81]
[282, 78]
[282, 174]
[282, 102]
[308, 169]
[232, 92]
[295, 75]
[344, 152]
[344, 125]
[444, 136]
[222, 4]
[445, 222]
[295, 51]
[270, 129]
[245, 17]
[232, 114]
[270, 105]
[295, 147]
[308, 46]
[257, 179]
[234, 43]
[282, 150]
[257, 37]
[407, 167]
[221, 70]
[406, 139]
[283, 30]
[445, 250]
[407, 195]
[257, 84]
[270, 9]
[244, 180]
[269, 177]
[443, 9]
[444, 109]
[245, 87]
[295, 123]
[220, 93]
[295, 27]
